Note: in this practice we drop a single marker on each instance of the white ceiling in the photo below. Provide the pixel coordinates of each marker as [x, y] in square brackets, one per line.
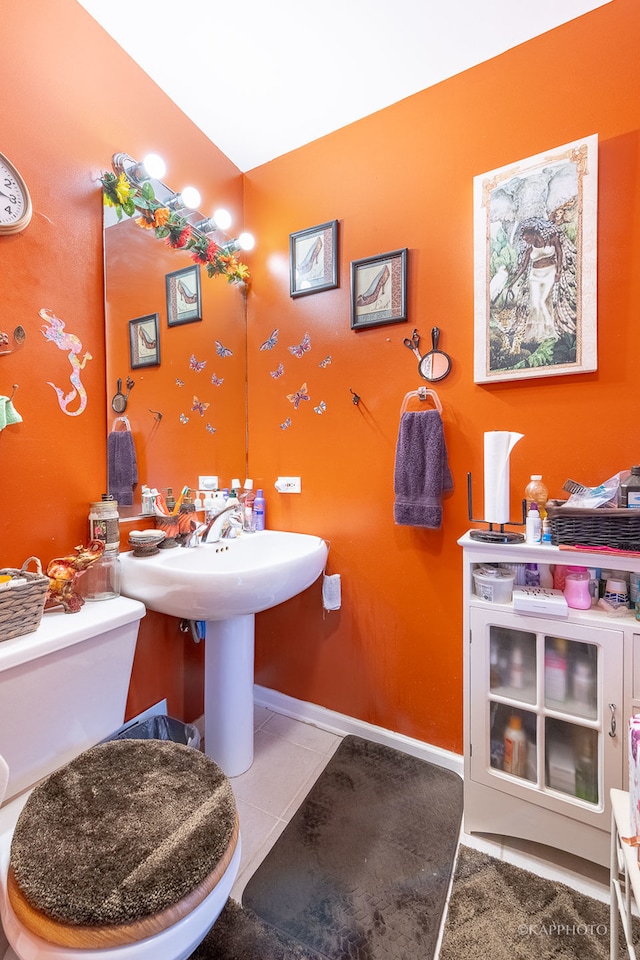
[266, 76]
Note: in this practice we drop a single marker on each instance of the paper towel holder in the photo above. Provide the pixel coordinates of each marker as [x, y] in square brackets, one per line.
[492, 535]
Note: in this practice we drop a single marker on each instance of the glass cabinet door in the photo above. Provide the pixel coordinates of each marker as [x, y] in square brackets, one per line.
[541, 697]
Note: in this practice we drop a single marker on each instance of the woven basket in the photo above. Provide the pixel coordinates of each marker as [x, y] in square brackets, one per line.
[602, 527]
[21, 607]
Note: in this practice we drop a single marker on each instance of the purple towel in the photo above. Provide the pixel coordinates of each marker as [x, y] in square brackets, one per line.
[421, 470]
[122, 466]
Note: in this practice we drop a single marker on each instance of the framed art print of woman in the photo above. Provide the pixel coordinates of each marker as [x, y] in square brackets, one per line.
[535, 265]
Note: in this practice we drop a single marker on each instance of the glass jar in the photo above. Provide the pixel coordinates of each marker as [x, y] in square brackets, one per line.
[101, 579]
[104, 523]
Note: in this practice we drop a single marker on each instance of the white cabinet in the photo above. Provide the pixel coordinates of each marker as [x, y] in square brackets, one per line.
[567, 688]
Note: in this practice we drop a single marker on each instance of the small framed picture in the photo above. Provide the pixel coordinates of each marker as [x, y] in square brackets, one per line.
[313, 259]
[184, 304]
[379, 289]
[144, 341]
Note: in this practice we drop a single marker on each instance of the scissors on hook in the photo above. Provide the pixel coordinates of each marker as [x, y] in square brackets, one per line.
[414, 343]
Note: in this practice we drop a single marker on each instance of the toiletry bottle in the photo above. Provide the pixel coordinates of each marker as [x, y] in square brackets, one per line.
[536, 492]
[630, 490]
[259, 509]
[248, 499]
[516, 675]
[209, 505]
[171, 500]
[198, 501]
[586, 773]
[546, 530]
[555, 669]
[531, 575]
[534, 524]
[515, 748]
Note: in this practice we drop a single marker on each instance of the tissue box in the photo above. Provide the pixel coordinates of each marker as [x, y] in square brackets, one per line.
[634, 777]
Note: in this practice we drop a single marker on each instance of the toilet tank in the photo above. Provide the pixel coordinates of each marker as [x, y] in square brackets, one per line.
[64, 687]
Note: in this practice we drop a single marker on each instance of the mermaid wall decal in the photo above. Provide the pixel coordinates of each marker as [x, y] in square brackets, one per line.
[53, 330]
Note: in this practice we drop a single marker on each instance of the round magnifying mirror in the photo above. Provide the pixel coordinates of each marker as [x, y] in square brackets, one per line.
[436, 364]
[119, 402]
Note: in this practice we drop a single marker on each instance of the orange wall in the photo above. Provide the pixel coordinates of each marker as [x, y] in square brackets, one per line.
[401, 177]
[404, 177]
[71, 98]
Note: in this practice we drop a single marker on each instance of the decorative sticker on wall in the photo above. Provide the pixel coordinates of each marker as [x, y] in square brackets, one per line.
[210, 429]
[184, 418]
[278, 371]
[223, 351]
[199, 406]
[197, 365]
[179, 382]
[216, 381]
[298, 397]
[320, 408]
[271, 342]
[325, 363]
[53, 330]
[300, 350]
[286, 424]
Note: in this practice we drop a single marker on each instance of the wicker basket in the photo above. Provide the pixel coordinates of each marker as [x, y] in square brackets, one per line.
[21, 607]
[602, 527]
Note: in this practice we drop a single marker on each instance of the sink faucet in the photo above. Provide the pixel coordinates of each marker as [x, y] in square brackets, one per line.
[225, 524]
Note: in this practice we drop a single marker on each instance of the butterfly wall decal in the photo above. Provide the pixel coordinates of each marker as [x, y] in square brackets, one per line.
[320, 408]
[210, 429]
[223, 351]
[199, 406]
[271, 342]
[297, 398]
[184, 418]
[278, 371]
[286, 424]
[197, 365]
[300, 350]
[179, 382]
[216, 381]
[325, 362]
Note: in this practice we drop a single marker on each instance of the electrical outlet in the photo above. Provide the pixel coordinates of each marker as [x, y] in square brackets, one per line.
[288, 485]
[207, 483]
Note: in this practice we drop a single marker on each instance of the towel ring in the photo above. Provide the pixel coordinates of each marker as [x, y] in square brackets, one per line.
[421, 393]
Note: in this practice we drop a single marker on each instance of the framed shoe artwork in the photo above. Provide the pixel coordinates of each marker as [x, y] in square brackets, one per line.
[313, 259]
[183, 296]
[379, 289]
[144, 341]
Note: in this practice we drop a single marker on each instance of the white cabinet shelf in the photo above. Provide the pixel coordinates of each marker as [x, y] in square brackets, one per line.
[568, 686]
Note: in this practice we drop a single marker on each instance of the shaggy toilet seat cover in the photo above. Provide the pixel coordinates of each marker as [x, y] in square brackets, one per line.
[125, 830]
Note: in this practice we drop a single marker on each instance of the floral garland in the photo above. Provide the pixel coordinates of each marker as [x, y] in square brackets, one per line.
[169, 226]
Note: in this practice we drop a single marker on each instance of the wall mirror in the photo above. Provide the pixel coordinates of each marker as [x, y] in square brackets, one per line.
[187, 412]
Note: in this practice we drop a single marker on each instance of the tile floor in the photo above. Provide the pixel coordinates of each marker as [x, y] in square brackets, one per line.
[290, 756]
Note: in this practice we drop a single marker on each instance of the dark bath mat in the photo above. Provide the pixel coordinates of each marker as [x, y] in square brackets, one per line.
[362, 870]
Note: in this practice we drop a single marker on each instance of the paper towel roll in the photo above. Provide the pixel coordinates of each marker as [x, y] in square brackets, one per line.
[498, 445]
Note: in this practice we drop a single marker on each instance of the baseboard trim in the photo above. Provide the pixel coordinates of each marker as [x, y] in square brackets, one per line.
[344, 725]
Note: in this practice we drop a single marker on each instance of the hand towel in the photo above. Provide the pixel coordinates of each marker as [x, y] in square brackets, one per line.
[8, 413]
[421, 472]
[122, 466]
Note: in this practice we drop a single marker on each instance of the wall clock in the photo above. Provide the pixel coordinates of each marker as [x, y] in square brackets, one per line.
[15, 202]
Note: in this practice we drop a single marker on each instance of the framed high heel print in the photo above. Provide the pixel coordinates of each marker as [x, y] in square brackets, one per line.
[144, 341]
[313, 259]
[379, 289]
[183, 296]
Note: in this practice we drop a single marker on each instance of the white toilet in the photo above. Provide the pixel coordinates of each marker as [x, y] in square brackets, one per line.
[63, 689]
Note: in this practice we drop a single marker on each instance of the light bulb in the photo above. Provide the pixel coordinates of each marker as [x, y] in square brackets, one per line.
[190, 198]
[246, 241]
[154, 165]
[222, 218]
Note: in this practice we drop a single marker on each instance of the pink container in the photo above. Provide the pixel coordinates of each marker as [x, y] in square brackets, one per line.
[576, 588]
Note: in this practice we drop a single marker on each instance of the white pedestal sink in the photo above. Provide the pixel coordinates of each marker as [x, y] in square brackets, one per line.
[226, 583]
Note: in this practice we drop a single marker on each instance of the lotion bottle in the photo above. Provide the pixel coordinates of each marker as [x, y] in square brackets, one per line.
[259, 508]
[534, 524]
[515, 748]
